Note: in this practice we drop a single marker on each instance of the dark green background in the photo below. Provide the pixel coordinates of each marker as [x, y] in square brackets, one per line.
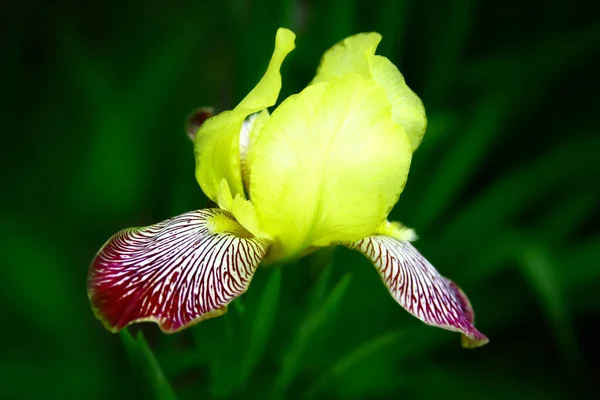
[503, 193]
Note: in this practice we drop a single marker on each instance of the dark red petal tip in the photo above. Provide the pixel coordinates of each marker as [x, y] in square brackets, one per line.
[196, 119]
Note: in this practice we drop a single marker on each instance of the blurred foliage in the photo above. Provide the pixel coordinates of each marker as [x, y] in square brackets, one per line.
[502, 193]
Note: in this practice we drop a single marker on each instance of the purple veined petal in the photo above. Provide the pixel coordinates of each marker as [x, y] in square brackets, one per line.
[467, 309]
[196, 119]
[175, 273]
[418, 287]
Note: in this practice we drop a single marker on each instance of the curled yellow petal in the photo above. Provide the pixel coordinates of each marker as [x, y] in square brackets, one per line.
[356, 54]
[351, 55]
[407, 107]
[217, 142]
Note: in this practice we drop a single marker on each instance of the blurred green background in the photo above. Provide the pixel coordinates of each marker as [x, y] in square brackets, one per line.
[502, 192]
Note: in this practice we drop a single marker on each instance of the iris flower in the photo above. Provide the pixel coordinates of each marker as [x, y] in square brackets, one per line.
[324, 169]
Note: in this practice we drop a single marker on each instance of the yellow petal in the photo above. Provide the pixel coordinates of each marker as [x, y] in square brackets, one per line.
[328, 165]
[357, 54]
[250, 129]
[407, 107]
[397, 231]
[218, 139]
[349, 55]
[242, 210]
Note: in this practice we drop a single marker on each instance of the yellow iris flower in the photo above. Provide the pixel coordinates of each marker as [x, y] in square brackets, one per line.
[325, 168]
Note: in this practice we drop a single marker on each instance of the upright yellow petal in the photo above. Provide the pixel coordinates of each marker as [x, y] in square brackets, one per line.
[357, 54]
[328, 165]
[217, 144]
[349, 55]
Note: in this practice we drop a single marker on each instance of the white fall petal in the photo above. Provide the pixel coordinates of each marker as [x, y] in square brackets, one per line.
[175, 273]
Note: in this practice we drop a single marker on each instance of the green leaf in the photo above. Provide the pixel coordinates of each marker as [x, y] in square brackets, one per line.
[533, 182]
[217, 341]
[456, 167]
[320, 263]
[355, 357]
[234, 343]
[144, 361]
[561, 222]
[261, 319]
[544, 60]
[450, 23]
[583, 262]
[306, 333]
[542, 274]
